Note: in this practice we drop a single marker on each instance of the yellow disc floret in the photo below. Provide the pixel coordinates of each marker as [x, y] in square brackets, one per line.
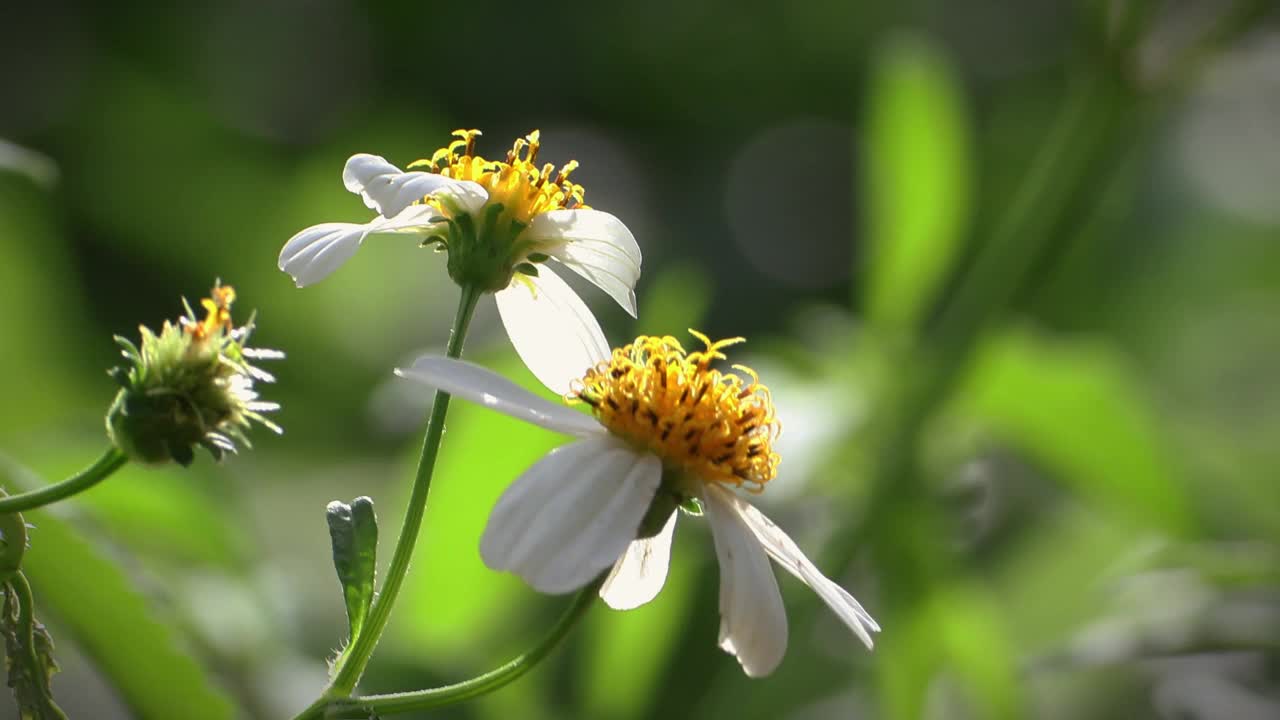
[522, 187]
[713, 426]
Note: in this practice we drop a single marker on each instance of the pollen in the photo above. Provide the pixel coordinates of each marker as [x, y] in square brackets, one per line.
[217, 308]
[524, 188]
[716, 427]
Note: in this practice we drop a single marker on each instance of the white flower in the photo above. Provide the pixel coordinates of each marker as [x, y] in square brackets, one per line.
[504, 224]
[667, 428]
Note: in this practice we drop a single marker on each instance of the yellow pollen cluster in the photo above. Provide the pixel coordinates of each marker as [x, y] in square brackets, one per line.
[519, 184]
[217, 310]
[714, 426]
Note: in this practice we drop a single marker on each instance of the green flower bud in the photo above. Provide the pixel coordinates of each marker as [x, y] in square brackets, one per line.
[192, 384]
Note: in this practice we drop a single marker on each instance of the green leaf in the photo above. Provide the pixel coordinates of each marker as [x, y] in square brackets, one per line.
[353, 530]
[916, 181]
[93, 599]
[1078, 408]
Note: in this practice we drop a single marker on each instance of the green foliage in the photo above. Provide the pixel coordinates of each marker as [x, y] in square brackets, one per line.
[98, 604]
[353, 530]
[916, 181]
[1080, 410]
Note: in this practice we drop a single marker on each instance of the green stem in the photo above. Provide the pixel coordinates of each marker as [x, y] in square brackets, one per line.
[110, 461]
[352, 663]
[29, 657]
[378, 705]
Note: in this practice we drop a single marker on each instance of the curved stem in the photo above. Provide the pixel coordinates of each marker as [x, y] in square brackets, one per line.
[26, 654]
[379, 705]
[351, 664]
[113, 459]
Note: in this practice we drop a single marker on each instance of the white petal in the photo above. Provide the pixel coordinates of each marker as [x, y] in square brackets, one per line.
[314, 253]
[572, 514]
[552, 330]
[385, 187]
[641, 571]
[786, 553]
[594, 244]
[483, 386]
[463, 196]
[753, 624]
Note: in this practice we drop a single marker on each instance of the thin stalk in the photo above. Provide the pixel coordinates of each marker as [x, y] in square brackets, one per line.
[352, 663]
[26, 654]
[379, 705]
[113, 459]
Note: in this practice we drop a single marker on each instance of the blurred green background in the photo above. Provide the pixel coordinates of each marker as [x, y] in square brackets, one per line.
[1011, 269]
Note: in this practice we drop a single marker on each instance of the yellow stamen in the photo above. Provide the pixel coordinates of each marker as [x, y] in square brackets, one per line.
[217, 308]
[713, 426]
[524, 189]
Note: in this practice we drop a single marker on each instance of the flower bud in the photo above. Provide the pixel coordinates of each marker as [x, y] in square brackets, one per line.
[192, 384]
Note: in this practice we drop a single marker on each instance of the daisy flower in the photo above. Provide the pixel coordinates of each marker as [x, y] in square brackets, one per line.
[504, 224]
[669, 431]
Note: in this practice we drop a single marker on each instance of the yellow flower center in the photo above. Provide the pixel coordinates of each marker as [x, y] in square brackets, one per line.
[713, 426]
[522, 187]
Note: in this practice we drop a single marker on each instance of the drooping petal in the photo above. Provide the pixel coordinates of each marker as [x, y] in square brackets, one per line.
[572, 514]
[753, 624]
[786, 553]
[594, 244]
[314, 253]
[483, 386]
[552, 330]
[385, 187]
[641, 571]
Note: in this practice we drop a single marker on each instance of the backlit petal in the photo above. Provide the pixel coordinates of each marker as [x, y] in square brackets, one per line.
[387, 189]
[572, 514]
[641, 571]
[483, 386]
[552, 330]
[786, 553]
[753, 624]
[314, 253]
[594, 244]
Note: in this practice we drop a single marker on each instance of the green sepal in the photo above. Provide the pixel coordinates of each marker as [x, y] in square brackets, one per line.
[692, 506]
[353, 530]
[664, 503]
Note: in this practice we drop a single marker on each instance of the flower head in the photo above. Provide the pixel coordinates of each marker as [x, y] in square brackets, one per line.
[190, 385]
[668, 430]
[504, 224]
[707, 425]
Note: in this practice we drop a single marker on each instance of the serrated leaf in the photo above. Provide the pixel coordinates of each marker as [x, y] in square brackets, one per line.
[95, 602]
[1078, 409]
[916, 181]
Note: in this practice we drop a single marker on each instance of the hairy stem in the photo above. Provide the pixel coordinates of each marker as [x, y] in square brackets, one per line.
[379, 705]
[351, 664]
